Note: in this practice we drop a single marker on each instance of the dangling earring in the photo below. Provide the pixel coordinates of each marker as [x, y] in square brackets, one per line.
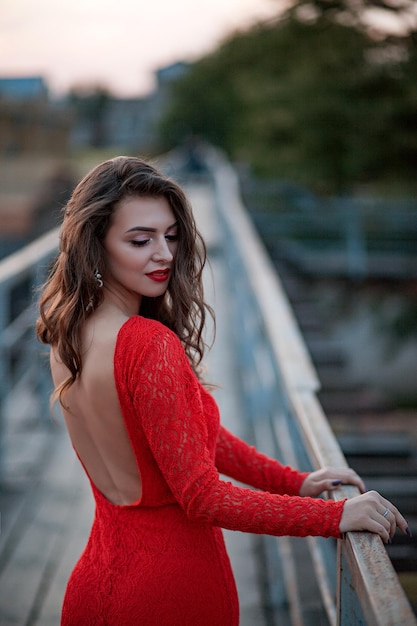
[98, 278]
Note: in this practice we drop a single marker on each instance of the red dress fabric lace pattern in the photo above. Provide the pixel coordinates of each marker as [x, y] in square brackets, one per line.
[162, 561]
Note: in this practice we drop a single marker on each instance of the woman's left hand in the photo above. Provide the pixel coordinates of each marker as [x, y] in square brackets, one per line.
[329, 479]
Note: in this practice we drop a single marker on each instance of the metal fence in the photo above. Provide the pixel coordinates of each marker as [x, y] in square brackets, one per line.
[352, 237]
[353, 578]
[24, 374]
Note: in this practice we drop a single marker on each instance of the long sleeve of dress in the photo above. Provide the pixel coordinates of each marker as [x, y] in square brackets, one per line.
[167, 400]
[237, 459]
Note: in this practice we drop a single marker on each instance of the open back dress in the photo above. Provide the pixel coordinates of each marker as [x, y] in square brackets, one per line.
[162, 561]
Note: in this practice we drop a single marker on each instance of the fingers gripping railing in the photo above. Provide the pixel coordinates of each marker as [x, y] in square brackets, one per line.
[356, 581]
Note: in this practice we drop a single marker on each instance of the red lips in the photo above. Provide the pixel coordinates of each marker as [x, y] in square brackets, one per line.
[159, 276]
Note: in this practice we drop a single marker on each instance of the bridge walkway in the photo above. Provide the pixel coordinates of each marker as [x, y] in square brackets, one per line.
[267, 392]
[47, 508]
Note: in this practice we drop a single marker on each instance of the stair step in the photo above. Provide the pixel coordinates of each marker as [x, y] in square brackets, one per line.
[351, 401]
[370, 467]
[377, 444]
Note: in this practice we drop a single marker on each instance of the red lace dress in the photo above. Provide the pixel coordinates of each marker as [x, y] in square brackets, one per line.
[162, 561]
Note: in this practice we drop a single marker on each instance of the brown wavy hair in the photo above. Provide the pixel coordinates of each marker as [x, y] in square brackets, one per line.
[71, 291]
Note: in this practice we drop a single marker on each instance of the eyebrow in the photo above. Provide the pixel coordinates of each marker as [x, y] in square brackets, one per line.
[146, 229]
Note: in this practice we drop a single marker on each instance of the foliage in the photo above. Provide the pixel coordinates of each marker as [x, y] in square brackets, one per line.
[314, 97]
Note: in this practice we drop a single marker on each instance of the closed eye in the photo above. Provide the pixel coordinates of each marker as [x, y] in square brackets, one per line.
[144, 242]
[139, 243]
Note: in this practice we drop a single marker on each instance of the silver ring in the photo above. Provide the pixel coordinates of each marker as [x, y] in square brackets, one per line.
[385, 513]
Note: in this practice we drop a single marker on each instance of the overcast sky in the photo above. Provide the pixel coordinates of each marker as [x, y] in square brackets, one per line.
[116, 43]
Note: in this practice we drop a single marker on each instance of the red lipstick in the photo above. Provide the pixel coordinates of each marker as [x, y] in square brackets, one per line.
[159, 276]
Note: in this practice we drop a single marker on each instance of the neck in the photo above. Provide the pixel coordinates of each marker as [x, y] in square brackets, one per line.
[127, 303]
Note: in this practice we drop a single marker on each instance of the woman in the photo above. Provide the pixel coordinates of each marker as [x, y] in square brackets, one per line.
[123, 312]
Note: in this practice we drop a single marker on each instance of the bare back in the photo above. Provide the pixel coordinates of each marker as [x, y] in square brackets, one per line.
[93, 416]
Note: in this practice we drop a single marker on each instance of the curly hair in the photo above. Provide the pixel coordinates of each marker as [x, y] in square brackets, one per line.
[71, 291]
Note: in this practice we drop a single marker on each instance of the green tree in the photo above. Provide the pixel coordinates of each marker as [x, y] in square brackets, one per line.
[310, 96]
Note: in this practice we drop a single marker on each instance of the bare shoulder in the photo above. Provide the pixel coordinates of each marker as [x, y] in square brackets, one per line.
[98, 339]
[103, 328]
[99, 336]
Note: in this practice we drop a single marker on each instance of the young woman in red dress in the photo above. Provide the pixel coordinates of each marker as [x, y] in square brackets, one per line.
[123, 312]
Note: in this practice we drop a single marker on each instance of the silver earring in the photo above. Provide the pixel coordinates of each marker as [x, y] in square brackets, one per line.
[98, 278]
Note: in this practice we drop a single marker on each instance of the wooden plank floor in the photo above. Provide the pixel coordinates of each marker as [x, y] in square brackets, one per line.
[47, 509]
[44, 531]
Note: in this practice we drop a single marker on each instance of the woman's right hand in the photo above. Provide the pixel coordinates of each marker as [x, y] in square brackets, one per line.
[373, 513]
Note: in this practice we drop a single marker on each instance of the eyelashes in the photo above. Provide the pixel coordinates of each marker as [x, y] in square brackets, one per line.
[140, 243]
[143, 242]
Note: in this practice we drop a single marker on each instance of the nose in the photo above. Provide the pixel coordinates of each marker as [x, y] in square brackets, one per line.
[162, 253]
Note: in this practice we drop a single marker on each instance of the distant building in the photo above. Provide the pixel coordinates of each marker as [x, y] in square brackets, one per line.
[122, 123]
[129, 124]
[165, 77]
[35, 133]
[24, 89]
[34, 141]
[29, 121]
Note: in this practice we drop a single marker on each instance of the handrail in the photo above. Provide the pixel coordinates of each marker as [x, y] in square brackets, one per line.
[280, 382]
[280, 386]
[20, 361]
[338, 236]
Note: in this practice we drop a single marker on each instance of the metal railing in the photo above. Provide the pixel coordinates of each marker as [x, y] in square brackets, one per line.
[23, 371]
[355, 580]
[352, 237]
[354, 576]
